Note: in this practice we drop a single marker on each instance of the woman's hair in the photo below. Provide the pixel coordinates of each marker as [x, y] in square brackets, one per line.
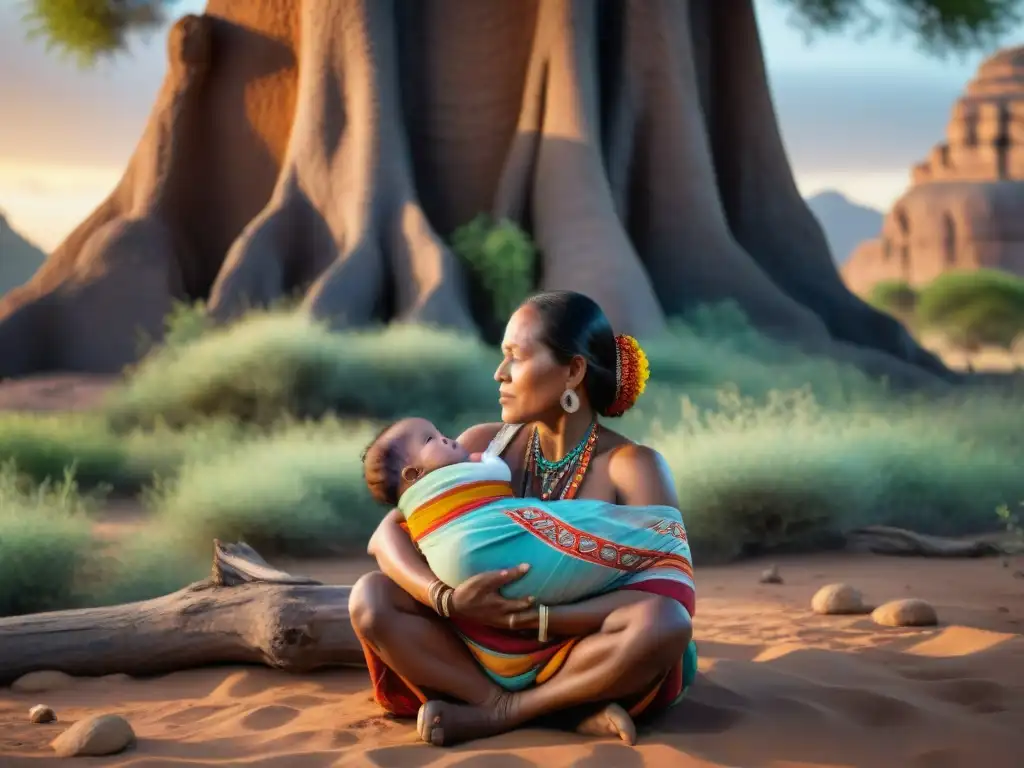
[573, 324]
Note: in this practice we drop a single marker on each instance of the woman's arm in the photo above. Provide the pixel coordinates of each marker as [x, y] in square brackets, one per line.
[641, 477]
[477, 598]
[399, 559]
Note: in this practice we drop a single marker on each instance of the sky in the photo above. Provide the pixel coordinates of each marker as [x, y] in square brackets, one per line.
[855, 115]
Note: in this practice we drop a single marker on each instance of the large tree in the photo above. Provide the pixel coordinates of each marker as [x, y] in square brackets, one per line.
[329, 148]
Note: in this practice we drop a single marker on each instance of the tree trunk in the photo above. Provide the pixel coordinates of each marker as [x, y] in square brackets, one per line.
[635, 139]
[248, 612]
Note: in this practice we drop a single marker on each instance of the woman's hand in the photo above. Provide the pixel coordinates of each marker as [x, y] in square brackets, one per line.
[478, 599]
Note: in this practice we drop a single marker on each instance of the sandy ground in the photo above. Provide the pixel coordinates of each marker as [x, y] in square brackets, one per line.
[779, 687]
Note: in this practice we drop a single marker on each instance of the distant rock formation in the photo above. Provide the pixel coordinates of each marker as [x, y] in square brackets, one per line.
[19, 259]
[846, 224]
[965, 205]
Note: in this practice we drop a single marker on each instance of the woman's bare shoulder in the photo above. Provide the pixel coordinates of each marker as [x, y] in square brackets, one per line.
[478, 437]
[641, 475]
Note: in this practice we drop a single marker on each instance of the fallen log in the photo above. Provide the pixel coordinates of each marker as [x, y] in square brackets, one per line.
[246, 612]
[886, 540]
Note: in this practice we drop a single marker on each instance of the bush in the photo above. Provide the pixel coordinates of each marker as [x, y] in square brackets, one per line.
[502, 264]
[297, 491]
[155, 562]
[896, 297]
[278, 364]
[44, 543]
[790, 474]
[46, 447]
[973, 309]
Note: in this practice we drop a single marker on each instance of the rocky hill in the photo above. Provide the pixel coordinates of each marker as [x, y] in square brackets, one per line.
[19, 258]
[846, 223]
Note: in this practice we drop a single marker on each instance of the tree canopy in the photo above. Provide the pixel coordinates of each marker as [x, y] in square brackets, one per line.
[940, 26]
[88, 30]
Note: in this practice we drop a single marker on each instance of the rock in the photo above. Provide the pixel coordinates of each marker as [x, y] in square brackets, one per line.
[837, 600]
[905, 613]
[95, 736]
[771, 576]
[42, 681]
[117, 677]
[41, 713]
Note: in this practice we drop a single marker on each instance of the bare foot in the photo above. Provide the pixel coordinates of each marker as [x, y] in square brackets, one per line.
[613, 720]
[444, 724]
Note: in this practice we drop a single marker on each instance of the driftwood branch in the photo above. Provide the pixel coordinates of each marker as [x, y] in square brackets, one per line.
[247, 612]
[885, 540]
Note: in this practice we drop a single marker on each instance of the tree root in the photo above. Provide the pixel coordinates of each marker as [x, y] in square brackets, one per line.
[768, 215]
[343, 221]
[117, 274]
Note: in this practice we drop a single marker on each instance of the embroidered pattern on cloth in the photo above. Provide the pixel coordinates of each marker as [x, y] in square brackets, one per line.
[670, 528]
[592, 548]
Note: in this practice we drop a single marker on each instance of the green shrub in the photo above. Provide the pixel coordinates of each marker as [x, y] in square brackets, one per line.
[297, 491]
[502, 264]
[972, 309]
[896, 297]
[46, 446]
[274, 365]
[788, 473]
[44, 543]
[156, 561]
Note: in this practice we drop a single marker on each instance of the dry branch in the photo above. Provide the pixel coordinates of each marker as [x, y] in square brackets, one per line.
[247, 612]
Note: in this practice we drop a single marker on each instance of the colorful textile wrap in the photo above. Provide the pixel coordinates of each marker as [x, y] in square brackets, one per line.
[465, 520]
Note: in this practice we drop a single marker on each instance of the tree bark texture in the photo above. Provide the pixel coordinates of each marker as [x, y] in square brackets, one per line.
[328, 148]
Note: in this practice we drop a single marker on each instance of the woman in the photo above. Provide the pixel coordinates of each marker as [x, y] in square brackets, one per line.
[618, 654]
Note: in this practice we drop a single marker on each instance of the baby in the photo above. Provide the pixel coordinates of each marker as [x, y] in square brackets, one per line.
[465, 519]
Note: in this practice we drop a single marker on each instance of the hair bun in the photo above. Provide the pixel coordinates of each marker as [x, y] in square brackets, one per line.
[632, 369]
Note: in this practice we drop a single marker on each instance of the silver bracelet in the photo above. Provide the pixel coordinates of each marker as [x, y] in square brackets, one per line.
[542, 623]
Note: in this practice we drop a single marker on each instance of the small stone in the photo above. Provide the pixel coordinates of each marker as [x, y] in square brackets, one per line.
[838, 600]
[42, 681]
[905, 613]
[41, 713]
[771, 575]
[95, 736]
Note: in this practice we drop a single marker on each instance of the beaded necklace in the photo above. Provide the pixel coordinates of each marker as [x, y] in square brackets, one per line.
[558, 479]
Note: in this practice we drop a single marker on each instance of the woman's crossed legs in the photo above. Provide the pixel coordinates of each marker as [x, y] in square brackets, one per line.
[634, 648]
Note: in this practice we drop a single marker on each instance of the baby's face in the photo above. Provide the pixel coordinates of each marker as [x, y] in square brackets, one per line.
[426, 448]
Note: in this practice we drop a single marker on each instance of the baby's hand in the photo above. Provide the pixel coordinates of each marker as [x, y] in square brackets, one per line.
[476, 456]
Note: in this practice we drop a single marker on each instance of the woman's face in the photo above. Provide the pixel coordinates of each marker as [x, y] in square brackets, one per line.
[530, 380]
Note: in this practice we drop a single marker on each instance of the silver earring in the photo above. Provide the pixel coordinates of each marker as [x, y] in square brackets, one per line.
[570, 401]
